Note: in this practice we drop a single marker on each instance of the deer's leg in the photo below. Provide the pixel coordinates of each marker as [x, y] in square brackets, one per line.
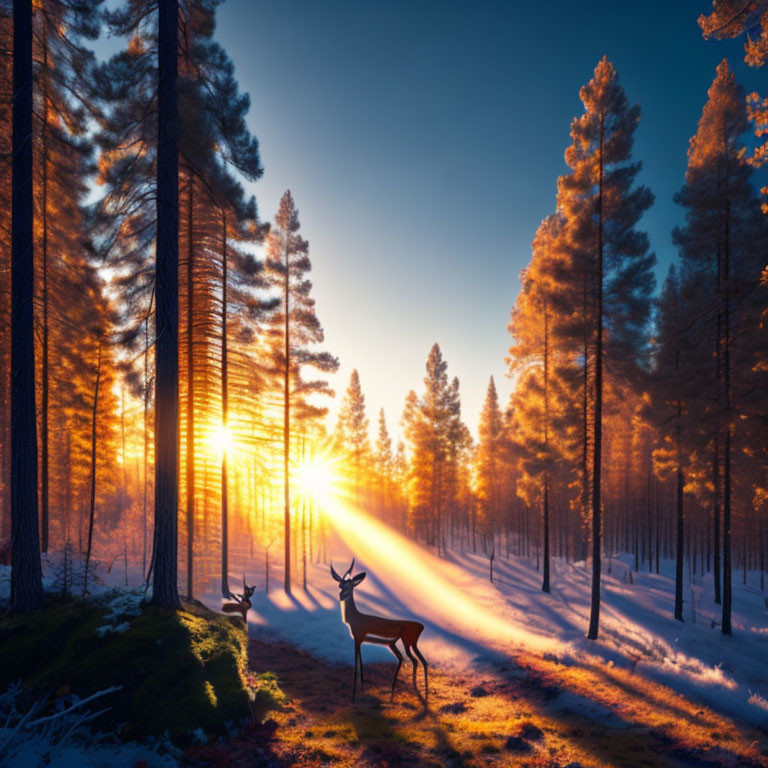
[413, 661]
[399, 657]
[358, 659]
[425, 665]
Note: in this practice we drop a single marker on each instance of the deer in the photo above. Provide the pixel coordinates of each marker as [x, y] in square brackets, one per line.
[378, 630]
[241, 602]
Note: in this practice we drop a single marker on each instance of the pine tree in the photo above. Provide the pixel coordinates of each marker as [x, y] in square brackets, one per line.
[721, 270]
[733, 18]
[601, 207]
[535, 323]
[384, 465]
[215, 216]
[672, 393]
[436, 437]
[351, 434]
[293, 331]
[62, 164]
[489, 459]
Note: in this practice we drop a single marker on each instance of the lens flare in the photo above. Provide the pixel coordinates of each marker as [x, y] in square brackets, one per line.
[221, 440]
[318, 479]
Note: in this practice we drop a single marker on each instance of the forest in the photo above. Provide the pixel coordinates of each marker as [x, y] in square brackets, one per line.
[169, 430]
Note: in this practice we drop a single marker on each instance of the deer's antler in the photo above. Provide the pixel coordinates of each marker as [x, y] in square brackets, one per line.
[349, 570]
[334, 574]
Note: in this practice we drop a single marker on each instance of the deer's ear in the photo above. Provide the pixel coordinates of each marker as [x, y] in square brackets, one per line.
[334, 574]
[357, 579]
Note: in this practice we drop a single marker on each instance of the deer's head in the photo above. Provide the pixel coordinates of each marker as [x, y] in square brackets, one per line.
[247, 591]
[346, 582]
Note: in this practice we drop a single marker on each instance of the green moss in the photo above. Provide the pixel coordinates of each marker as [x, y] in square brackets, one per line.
[179, 670]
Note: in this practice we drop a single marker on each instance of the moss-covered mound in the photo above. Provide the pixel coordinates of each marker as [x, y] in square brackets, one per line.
[180, 671]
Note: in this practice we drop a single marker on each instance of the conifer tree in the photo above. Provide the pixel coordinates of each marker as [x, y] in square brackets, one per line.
[384, 464]
[733, 18]
[215, 215]
[62, 165]
[293, 331]
[351, 436]
[436, 437]
[721, 270]
[489, 459]
[534, 326]
[672, 376]
[601, 206]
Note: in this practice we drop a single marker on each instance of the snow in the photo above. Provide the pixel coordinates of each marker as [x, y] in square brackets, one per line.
[469, 619]
[65, 740]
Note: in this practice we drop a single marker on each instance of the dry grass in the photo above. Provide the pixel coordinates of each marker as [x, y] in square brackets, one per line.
[555, 715]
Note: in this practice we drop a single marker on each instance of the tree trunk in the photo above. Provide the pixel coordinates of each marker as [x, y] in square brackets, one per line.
[165, 585]
[224, 415]
[44, 373]
[594, 616]
[92, 504]
[287, 428]
[145, 457]
[545, 580]
[26, 574]
[679, 552]
[190, 452]
[727, 592]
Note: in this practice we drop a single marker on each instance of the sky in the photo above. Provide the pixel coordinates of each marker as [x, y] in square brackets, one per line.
[422, 142]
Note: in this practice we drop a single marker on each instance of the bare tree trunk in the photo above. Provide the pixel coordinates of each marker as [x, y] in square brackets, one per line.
[287, 428]
[145, 458]
[679, 555]
[45, 373]
[165, 556]
[26, 573]
[190, 452]
[727, 591]
[92, 504]
[594, 616]
[545, 582]
[224, 415]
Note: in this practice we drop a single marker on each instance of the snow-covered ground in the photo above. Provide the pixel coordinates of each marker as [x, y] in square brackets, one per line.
[467, 617]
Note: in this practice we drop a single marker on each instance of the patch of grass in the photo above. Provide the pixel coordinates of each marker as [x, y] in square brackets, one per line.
[180, 670]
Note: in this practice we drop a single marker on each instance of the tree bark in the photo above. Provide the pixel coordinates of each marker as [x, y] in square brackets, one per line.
[545, 581]
[287, 426]
[727, 591]
[44, 374]
[92, 504]
[679, 551]
[165, 584]
[594, 615]
[190, 443]
[224, 415]
[26, 574]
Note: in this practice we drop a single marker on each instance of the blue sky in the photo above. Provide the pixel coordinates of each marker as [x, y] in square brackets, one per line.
[422, 142]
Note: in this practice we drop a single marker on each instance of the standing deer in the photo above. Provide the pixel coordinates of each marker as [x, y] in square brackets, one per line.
[242, 602]
[375, 629]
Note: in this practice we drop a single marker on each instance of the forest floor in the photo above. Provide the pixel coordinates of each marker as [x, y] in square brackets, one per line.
[529, 710]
